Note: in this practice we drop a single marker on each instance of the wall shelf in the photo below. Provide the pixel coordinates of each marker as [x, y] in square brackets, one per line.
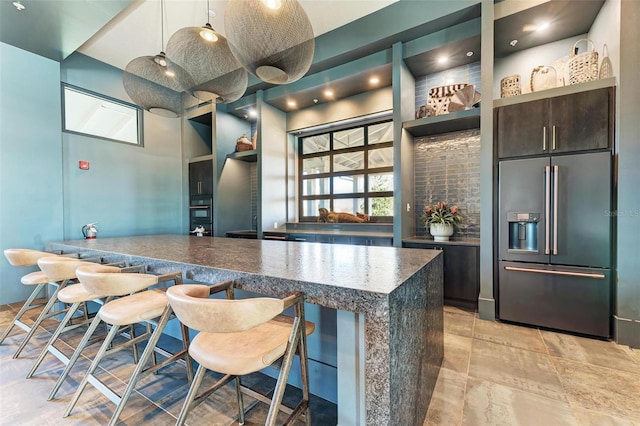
[556, 91]
[248, 156]
[452, 122]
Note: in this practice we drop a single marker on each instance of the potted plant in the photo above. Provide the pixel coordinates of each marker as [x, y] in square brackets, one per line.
[441, 219]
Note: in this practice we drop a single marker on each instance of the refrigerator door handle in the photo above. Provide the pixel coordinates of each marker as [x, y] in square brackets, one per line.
[547, 197]
[555, 209]
[554, 272]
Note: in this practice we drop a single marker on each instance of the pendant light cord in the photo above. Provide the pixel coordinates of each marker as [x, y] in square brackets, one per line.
[162, 25]
[208, 13]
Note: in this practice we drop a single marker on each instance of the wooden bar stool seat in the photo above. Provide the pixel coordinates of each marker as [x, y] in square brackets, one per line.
[138, 303]
[238, 337]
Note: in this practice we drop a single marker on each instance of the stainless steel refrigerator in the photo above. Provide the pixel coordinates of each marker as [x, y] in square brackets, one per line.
[555, 242]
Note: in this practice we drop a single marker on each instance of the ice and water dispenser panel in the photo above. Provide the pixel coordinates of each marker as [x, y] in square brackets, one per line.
[523, 232]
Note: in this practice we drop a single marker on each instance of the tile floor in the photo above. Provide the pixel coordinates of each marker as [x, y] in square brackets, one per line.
[493, 374]
[502, 374]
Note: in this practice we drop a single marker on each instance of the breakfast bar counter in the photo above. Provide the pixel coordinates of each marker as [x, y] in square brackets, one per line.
[389, 302]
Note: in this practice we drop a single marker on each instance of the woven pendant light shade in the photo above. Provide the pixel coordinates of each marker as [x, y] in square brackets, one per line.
[272, 39]
[153, 87]
[215, 73]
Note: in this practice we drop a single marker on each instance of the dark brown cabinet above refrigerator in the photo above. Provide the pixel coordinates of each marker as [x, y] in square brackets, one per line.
[567, 123]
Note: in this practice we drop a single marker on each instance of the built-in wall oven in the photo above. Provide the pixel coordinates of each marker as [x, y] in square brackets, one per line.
[201, 213]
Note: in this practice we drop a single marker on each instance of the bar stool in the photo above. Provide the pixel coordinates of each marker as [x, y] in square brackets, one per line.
[26, 257]
[247, 336]
[40, 279]
[60, 272]
[74, 295]
[143, 306]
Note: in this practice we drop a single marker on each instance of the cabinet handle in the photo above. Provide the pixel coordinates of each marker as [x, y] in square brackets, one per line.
[544, 138]
[553, 137]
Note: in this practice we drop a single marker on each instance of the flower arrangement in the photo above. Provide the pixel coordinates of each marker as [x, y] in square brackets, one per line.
[442, 213]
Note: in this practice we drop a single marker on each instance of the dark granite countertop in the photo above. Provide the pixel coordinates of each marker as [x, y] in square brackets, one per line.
[366, 268]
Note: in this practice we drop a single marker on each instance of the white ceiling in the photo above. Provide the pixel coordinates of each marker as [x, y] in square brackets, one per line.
[136, 31]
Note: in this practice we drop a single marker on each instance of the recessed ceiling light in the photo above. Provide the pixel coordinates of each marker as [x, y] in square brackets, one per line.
[169, 73]
[513, 42]
[19, 5]
[211, 13]
[315, 100]
[253, 113]
[291, 103]
[443, 59]
[328, 93]
[469, 53]
[374, 80]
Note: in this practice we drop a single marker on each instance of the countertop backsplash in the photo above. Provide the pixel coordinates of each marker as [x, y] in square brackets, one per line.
[447, 168]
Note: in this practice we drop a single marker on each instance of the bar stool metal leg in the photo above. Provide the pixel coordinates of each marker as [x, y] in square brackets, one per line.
[139, 371]
[89, 375]
[74, 358]
[45, 313]
[191, 395]
[49, 346]
[27, 306]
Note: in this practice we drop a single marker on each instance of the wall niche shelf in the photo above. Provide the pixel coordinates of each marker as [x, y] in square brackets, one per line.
[556, 91]
[451, 122]
[250, 156]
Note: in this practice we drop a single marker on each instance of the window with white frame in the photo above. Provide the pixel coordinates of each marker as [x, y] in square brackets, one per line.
[96, 115]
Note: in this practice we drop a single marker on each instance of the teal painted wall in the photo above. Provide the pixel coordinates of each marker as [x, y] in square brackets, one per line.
[30, 160]
[628, 153]
[129, 190]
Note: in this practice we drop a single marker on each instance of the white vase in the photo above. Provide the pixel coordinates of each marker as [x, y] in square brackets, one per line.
[441, 231]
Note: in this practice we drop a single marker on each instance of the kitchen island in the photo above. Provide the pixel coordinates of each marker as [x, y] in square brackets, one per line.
[389, 302]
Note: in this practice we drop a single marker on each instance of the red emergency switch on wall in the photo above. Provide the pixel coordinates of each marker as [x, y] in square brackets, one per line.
[83, 165]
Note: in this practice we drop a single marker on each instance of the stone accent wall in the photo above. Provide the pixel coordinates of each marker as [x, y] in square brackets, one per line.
[447, 168]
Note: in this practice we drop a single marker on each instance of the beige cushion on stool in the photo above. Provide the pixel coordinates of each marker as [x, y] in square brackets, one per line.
[134, 308]
[59, 268]
[35, 278]
[109, 280]
[25, 257]
[250, 350]
[76, 293]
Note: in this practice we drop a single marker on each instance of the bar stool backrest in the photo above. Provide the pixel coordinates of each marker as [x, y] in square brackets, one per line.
[25, 257]
[193, 309]
[109, 281]
[59, 268]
